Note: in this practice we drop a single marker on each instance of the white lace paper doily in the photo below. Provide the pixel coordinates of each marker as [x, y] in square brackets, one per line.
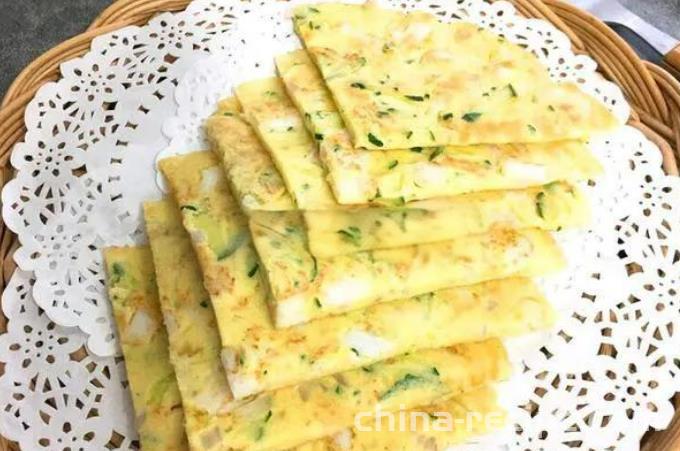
[88, 162]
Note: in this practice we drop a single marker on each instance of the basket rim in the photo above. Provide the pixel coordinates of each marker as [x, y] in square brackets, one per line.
[652, 91]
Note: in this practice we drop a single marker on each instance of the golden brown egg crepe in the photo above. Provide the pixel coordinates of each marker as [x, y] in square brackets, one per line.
[258, 357]
[282, 132]
[289, 416]
[357, 176]
[305, 288]
[155, 397]
[550, 207]
[404, 79]
[206, 401]
[253, 178]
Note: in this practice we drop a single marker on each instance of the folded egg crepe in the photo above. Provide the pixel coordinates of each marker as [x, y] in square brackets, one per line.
[550, 207]
[155, 396]
[404, 79]
[357, 176]
[288, 416]
[258, 357]
[305, 288]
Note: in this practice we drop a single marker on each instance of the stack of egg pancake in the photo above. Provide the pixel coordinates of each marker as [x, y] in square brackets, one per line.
[360, 238]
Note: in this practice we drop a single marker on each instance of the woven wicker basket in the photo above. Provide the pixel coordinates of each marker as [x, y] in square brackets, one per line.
[653, 93]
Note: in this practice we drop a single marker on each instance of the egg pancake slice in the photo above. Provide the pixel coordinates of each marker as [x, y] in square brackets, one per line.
[258, 357]
[404, 79]
[305, 287]
[549, 207]
[472, 414]
[195, 344]
[424, 429]
[357, 176]
[502, 308]
[289, 416]
[253, 178]
[155, 397]
[221, 240]
[554, 206]
[205, 396]
[282, 132]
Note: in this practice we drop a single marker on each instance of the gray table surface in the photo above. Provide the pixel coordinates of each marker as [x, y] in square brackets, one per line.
[30, 27]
